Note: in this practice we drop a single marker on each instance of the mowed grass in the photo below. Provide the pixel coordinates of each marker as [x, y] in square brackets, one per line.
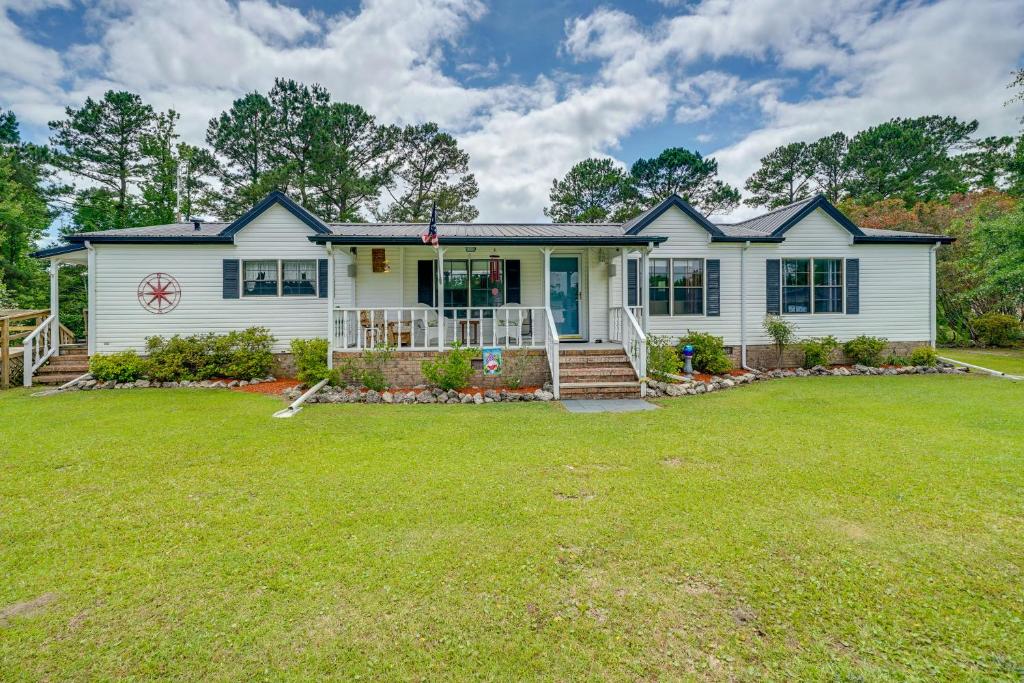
[822, 528]
[1004, 360]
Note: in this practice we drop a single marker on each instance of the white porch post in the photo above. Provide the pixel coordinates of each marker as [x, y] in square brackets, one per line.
[440, 299]
[645, 277]
[91, 288]
[330, 305]
[547, 277]
[55, 305]
[624, 277]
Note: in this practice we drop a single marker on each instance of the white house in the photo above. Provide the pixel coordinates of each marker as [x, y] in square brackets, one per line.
[579, 297]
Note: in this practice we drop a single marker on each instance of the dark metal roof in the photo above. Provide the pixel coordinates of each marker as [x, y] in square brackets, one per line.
[485, 233]
[766, 223]
[57, 251]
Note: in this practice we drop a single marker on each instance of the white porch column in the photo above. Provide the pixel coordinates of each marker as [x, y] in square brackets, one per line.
[330, 305]
[91, 288]
[55, 305]
[624, 276]
[440, 299]
[645, 277]
[547, 277]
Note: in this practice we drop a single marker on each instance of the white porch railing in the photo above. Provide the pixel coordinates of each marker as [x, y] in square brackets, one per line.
[39, 345]
[638, 313]
[421, 329]
[551, 347]
[626, 329]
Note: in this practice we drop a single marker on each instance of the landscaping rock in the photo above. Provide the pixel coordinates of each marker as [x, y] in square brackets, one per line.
[425, 397]
[373, 396]
[142, 383]
[466, 398]
[387, 397]
[478, 399]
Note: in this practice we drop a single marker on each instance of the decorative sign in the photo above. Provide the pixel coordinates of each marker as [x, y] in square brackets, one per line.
[492, 360]
[159, 293]
[380, 261]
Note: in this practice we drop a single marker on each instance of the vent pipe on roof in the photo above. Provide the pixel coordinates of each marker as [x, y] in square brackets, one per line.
[195, 224]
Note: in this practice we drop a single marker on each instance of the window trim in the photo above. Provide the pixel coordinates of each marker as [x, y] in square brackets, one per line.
[469, 282]
[280, 279]
[811, 286]
[671, 287]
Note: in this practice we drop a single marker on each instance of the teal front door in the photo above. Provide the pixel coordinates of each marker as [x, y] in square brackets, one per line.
[565, 295]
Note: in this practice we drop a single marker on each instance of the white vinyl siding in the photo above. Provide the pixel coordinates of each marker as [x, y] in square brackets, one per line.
[121, 323]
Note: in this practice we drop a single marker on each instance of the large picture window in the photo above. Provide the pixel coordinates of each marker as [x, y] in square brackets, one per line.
[260, 278]
[812, 285]
[476, 282]
[676, 286]
[298, 278]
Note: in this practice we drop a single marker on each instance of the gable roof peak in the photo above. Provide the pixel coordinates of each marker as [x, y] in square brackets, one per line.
[272, 198]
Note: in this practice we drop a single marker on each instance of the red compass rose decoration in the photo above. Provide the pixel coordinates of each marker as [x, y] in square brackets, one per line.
[159, 293]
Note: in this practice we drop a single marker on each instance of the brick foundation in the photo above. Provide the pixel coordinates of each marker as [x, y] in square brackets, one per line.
[404, 368]
[284, 365]
[764, 356]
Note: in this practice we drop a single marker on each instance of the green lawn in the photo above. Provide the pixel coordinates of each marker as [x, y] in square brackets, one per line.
[822, 528]
[1003, 360]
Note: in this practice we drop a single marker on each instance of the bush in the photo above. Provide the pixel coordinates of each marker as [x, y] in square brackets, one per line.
[864, 350]
[996, 329]
[708, 352]
[818, 351]
[310, 356]
[896, 360]
[374, 360]
[242, 354]
[924, 355]
[514, 367]
[782, 333]
[451, 369]
[124, 366]
[662, 357]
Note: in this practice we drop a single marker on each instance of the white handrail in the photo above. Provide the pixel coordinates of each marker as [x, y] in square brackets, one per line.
[419, 328]
[625, 329]
[40, 344]
[551, 346]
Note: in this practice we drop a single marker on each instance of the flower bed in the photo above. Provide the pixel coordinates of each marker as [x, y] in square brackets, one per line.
[423, 394]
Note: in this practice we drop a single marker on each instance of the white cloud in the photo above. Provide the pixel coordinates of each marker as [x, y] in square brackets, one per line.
[869, 61]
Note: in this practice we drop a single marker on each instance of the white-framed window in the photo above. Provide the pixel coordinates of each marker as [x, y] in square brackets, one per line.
[259, 278]
[298, 278]
[812, 285]
[289, 277]
[473, 282]
[676, 286]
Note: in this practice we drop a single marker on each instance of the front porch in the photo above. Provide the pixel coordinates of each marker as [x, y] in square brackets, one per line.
[554, 299]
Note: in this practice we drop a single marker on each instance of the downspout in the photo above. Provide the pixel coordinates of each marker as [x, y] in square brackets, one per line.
[91, 292]
[932, 325]
[743, 307]
[330, 305]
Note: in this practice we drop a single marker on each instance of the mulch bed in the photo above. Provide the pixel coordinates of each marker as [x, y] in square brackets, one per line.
[275, 387]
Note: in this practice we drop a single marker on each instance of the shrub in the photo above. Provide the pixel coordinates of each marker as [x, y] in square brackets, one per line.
[662, 357]
[310, 356]
[864, 350]
[996, 329]
[242, 354]
[708, 352]
[896, 360]
[248, 353]
[451, 369]
[514, 367]
[818, 351]
[374, 360]
[782, 333]
[124, 366]
[924, 355]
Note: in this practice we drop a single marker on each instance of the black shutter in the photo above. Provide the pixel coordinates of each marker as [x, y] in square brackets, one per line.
[853, 286]
[425, 282]
[773, 292]
[230, 278]
[513, 287]
[632, 282]
[321, 274]
[714, 268]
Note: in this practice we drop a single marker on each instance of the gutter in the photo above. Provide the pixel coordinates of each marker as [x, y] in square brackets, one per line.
[631, 241]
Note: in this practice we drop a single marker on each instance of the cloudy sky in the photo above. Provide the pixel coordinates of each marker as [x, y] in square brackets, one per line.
[531, 86]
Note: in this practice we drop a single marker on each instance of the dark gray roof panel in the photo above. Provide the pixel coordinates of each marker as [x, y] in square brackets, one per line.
[766, 223]
[511, 230]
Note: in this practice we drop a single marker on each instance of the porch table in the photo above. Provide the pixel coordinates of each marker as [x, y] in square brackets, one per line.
[473, 329]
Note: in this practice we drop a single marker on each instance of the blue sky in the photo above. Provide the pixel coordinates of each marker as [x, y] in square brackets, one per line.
[530, 87]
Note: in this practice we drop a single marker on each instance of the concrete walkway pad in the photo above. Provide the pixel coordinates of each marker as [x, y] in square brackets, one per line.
[615, 405]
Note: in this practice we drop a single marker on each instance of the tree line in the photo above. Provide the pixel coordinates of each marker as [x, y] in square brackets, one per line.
[128, 167]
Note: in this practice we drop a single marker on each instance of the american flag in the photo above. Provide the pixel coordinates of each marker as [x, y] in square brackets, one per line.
[430, 236]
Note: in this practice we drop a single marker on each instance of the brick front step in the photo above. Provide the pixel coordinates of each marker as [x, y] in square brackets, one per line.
[600, 389]
[600, 373]
[55, 377]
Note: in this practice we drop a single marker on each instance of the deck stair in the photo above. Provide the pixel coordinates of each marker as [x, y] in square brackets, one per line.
[596, 373]
[72, 362]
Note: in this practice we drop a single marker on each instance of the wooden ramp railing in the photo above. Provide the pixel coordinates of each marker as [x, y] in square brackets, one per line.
[27, 340]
